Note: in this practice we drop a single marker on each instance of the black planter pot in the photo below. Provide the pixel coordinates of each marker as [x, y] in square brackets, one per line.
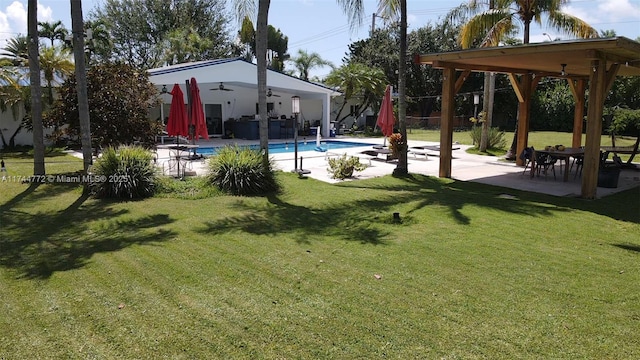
[608, 177]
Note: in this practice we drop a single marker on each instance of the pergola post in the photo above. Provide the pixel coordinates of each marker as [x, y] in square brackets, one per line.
[594, 129]
[446, 121]
[578, 89]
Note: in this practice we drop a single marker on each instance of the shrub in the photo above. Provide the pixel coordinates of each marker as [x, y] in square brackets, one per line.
[123, 173]
[241, 171]
[396, 144]
[495, 139]
[343, 167]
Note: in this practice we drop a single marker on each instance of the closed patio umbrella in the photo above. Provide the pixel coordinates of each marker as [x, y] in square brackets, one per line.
[197, 114]
[386, 120]
[177, 124]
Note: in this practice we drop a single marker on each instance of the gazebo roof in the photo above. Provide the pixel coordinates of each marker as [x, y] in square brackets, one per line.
[543, 59]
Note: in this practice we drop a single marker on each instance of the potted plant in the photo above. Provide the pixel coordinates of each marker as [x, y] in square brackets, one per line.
[397, 144]
[343, 167]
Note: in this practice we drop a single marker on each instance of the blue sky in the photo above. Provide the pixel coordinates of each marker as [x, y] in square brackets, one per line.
[320, 25]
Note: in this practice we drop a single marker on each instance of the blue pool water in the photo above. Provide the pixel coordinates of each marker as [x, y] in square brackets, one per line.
[326, 145]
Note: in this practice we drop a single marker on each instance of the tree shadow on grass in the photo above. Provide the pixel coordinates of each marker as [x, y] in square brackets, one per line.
[368, 218]
[37, 244]
[635, 248]
[305, 223]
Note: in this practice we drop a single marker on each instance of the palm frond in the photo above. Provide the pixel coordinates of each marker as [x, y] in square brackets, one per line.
[354, 9]
[244, 8]
[389, 10]
[481, 24]
[571, 25]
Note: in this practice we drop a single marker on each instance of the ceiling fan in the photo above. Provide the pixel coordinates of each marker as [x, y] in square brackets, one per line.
[270, 93]
[221, 87]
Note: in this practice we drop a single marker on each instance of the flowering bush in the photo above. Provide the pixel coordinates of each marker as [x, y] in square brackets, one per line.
[480, 119]
[396, 144]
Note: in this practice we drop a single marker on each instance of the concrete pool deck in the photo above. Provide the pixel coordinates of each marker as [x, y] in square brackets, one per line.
[465, 167]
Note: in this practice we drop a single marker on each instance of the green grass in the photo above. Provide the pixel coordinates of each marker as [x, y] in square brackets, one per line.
[467, 274]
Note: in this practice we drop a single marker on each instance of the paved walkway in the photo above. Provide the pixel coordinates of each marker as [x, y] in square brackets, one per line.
[465, 167]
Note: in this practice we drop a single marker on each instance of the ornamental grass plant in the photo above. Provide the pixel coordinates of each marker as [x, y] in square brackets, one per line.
[127, 172]
[241, 171]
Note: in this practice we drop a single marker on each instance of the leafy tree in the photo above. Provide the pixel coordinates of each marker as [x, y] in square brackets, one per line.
[185, 45]
[277, 46]
[53, 31]
[119, 98]
[247, 37]
[553, 106]
[357, 80]
[140, 29]
[305, 62]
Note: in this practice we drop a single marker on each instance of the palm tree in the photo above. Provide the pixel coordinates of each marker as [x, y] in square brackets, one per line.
[357, 80]
[77, 26]
[246, 8]
[100, 43]
[53, 31]
[390, 10]
[305, 62]
[495, 24]
[11, 94]
[55, 64]
[17, 50]
[36, 91]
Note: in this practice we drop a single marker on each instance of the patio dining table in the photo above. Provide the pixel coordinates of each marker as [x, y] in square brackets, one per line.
[565, 154]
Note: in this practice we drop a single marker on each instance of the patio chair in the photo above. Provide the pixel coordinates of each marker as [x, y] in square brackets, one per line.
[544, 162]
[285, 126]
[578, 161]
[526, 156]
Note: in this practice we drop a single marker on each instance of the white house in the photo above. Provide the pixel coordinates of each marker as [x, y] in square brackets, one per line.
[228, 90]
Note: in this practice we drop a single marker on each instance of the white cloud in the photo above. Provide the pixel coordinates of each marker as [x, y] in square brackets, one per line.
[609, 11]
[13, 19]
[619, 9]
[17, 14]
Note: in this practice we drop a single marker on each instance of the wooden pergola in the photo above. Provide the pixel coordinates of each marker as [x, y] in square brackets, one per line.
[592, 62]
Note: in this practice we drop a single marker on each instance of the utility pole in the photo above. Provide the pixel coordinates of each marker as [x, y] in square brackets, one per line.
[373, 24]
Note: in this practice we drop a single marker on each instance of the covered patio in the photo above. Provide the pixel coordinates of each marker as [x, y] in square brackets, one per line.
[592, 63]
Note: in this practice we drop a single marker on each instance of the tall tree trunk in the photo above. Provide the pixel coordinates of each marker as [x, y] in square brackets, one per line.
[511, 154]
[487, 102]
[36, 89]
[402, 167]
[487, 108]
[261, 55]
[77, 26]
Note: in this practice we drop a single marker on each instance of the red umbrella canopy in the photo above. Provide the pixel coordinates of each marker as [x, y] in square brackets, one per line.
[177, 123]
[197, 115]
[385, 116]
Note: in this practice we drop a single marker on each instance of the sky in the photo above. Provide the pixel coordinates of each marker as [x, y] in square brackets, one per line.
[321, 26]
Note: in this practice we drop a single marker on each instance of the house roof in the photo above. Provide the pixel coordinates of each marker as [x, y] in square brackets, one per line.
[544, 59]
[235, 72]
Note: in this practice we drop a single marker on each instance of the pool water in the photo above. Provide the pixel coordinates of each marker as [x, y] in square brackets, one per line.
[279, 148]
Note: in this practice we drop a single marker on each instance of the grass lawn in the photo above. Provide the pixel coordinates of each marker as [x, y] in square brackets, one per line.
[318, 271]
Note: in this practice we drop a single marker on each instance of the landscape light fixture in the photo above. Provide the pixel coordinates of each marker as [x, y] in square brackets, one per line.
[563, 73]
[295, 109]
[476, 101]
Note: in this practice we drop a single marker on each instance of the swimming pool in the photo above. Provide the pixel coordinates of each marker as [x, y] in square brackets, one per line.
[288, 147]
